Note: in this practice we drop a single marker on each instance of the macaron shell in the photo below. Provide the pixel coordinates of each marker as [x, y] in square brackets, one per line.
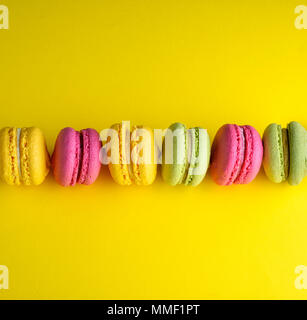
[34, 157]
[120, 172]
[200, 156]
[9, 171]
[143, 173]
[175, 173]
[297, 151]
[253, 155]
[227, 154]
[90, 163]
[66, 156]
[273, 162]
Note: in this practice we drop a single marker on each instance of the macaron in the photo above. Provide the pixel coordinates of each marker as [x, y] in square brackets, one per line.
[285, 153]
[75, 159]
[185, 155]
[24, 158]
[237, 154]
[135, 154]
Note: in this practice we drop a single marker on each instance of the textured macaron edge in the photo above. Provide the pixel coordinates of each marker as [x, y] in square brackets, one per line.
[77, 159]
[135, 166]
[297, 145]
[24, 156]
[90, 164]
[239, 142]
[199, 145]
[34, 156]
[85, 154]
[9, 170]
[253, 155]
[121, 172]
[193, 154]
[286, 156]
[143, 173]
[175, 173]
[273, 157]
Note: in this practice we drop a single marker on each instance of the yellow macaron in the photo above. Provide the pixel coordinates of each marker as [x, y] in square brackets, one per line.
[24, 158]
[134, 159]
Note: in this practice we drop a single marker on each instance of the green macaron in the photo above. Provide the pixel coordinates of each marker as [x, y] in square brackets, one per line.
[186, 155]
[284, 153]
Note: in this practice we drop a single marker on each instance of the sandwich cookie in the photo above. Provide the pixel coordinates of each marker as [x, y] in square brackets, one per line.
[236, 155]
[132, 155]
[75, 159]
[24, 158]
[285, 153]
[185, 155]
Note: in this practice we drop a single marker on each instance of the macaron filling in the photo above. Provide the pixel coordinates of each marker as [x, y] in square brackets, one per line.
[24, 156]
[281, 152]
[124, 153]
[13, 155]
[285, 148]
[184, 171]
[240, 151]
[193, 153]
[84, 158]
[18, 151]
[77, 159]
[134, 167]
[248, 155]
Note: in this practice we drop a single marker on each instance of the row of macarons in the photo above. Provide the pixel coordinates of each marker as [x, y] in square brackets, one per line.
[235, 157]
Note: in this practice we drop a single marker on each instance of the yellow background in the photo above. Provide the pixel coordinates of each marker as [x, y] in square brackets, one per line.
[204, 63]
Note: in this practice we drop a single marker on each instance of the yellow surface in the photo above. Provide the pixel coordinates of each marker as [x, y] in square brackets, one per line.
[203, 63]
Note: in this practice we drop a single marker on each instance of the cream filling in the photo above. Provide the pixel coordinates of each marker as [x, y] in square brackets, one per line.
[18, 151]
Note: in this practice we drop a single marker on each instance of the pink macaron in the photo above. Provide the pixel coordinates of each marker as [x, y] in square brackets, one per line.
[76, 157]
[237, 153]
